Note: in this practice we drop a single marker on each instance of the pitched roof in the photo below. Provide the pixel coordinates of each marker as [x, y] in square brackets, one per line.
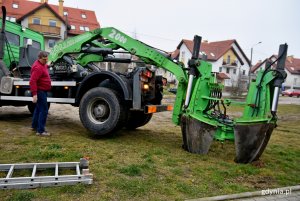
[222, 76]
[175, 54]
[74, 14]
[291, 64]
[257, 65]
[215, 50]
[44, 5]
[74, 18]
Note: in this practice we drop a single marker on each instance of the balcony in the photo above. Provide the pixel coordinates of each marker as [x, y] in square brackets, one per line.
[46, 30]
[232, 64]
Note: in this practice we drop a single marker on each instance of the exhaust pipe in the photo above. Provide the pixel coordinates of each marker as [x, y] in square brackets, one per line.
[2, 34]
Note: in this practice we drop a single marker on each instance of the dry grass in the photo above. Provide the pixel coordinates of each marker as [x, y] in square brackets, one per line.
[146, 164]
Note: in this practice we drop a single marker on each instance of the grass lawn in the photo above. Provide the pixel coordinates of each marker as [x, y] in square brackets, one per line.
[148, 163]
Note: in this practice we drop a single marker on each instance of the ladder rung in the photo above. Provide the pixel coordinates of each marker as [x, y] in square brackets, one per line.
[33, 171]
[10, 172]
[56, 169]
[77, 169]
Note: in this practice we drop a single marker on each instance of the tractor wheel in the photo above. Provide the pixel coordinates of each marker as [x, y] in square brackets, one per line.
[31, 107]
[101, 111]
[137, 119]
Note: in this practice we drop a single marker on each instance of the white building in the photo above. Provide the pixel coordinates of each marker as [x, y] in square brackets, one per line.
[292, 68]
[227, 58]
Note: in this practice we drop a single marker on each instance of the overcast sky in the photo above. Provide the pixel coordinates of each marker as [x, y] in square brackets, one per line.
[163, 23]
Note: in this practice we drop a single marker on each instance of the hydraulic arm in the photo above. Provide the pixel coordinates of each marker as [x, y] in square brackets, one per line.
[199, 107]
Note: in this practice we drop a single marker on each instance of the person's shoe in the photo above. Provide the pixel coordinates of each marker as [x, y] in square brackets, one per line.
[45, 133]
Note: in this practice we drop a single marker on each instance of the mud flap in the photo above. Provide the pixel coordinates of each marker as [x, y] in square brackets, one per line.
[197, 136]
[251, 141]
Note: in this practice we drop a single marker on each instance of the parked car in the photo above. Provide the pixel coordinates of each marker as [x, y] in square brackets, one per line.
[291, 92]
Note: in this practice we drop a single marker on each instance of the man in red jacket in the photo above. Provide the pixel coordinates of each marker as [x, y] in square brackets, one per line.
[40, 84]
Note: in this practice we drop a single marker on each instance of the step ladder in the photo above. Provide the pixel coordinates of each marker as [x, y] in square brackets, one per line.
[34, 180]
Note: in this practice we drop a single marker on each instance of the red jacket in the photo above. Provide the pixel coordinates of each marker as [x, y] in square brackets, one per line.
[40, 78]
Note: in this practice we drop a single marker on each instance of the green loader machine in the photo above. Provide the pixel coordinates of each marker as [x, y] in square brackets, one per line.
[108, 101]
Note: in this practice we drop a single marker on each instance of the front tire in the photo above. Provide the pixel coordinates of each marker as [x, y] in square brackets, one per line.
[101, 111]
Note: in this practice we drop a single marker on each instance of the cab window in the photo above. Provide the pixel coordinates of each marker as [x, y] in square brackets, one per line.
[12, 38]
[35, 44]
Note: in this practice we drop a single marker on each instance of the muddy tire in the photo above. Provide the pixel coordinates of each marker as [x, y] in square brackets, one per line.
[101, 111]
[137, 119]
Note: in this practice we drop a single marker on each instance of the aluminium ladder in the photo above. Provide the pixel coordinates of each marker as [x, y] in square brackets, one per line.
[10, 182]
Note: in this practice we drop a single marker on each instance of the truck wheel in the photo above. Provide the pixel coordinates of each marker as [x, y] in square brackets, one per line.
[101, 111]
[137, 119]
[31, 107]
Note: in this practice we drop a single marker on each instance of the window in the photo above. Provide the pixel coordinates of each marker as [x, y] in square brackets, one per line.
[83, 16]
[244, 72]
[52, 23]
[227, 70]
[15, 5]
[51, 43]
[220, 69]
[65, 13]
[183, 56]
[234, 71]
[295, 81]
[228, 59]
[36, 21]
[35, 44]
[86, 29]
[81, 28]
[13, 19]
[73, 27]
[12, 38]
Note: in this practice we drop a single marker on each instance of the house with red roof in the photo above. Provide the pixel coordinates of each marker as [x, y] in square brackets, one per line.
[55, 22]
[292, 68]
[228, 60]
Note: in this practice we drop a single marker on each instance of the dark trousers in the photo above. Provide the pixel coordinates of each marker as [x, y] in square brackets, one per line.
[40, 112]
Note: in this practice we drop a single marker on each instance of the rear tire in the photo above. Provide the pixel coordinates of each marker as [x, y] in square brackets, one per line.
[31, 107]
[137, 119]
[101, 111]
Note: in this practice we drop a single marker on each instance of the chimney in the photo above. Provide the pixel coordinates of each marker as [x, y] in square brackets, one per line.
[61, 7]
[290, 58]
[42, 1]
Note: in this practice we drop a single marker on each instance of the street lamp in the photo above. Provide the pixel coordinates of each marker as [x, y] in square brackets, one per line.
[249, 73]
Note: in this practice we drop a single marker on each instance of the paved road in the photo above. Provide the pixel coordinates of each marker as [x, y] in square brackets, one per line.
[291, 193]
[289, 100]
